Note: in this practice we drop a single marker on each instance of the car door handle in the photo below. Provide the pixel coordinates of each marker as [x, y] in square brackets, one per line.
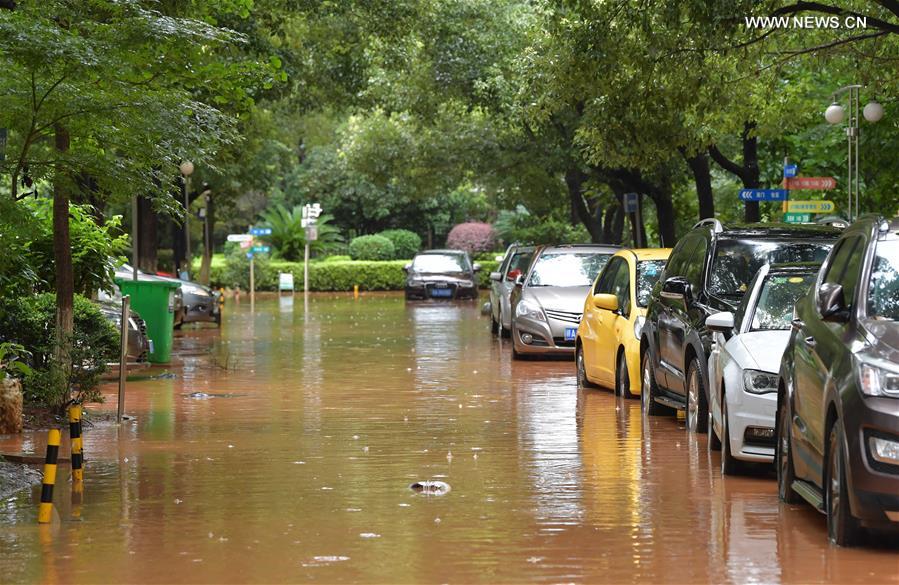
[810, 341]
[797, 324]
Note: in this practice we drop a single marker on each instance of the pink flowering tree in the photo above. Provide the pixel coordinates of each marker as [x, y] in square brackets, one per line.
[473, 237]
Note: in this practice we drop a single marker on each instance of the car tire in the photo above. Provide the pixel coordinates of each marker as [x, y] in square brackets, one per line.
[582, 380]
[843, 528]
[714, 441]
[729, 464]
[622, 379]
[697, 407]
[505, 332]
[783, 456]
[218, 318]
[494, 326]
[650, 390]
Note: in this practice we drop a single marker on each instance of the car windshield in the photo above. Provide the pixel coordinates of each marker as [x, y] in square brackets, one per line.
[440, 263]
[648, 272]
[774, 309]
[737, 261]
[883, 292]
[567, 268]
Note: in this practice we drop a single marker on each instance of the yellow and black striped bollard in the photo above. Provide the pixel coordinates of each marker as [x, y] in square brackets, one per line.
[77, 448]
[45, 512]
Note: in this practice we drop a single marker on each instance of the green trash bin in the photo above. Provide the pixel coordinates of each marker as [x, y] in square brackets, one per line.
[155, 301]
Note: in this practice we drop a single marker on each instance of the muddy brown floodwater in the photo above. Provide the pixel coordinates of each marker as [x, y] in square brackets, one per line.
[284, 447]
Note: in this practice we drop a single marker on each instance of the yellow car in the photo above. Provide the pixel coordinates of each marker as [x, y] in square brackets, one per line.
[607, 348]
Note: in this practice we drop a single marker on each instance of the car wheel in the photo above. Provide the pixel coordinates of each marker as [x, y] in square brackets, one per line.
[622, 379]
[697, 408]
[494, 326]
[218, 318]
[650, 390]
[505, 332]
[783, 457]
[729, 465]
[842, 527]
[714, 440]
[582, 380]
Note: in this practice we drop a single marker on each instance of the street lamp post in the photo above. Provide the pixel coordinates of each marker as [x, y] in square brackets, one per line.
[187, 169]
[835, 114]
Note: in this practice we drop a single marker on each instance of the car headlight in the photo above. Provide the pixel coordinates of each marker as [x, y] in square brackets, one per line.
[530, 309]
[759, 382]
[876, 381]
[638, 326]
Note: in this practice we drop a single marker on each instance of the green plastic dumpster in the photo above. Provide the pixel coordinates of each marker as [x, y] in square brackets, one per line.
[155, 301]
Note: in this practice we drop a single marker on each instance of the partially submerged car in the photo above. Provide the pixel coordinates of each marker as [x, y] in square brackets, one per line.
[513, 264]
[441, 274]
[547, 302]
[745, 361]
[139, 345]
[200, 304]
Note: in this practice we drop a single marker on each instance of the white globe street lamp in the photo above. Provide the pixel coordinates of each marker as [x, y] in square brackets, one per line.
[834, 114]
[873, 112]
[187, 168]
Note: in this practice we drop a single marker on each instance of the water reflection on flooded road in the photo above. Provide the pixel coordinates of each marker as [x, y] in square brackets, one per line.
[284, 448]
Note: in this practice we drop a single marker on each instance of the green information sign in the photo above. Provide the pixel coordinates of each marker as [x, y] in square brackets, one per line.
[797, 217]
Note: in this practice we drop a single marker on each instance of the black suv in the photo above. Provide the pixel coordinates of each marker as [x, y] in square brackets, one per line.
[708, 271]
[838, 397]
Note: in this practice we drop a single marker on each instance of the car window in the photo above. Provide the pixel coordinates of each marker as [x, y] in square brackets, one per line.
[607, 277]
[778, 295]
[845, 267]
[737, 260]
[680, 256]
[648, 273]
[519, 262]
[883, 290]
[567, 268]
[695, 265]
[506, 260]
[440, 263]
[621, 287]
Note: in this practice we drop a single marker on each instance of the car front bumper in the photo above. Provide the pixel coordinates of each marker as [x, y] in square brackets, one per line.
[426, 292]
[200, 309]
[548, 336]
[750, 411]
[873, 483]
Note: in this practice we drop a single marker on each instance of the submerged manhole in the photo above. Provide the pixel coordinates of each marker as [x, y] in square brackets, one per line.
[434, 488]
[207, 396]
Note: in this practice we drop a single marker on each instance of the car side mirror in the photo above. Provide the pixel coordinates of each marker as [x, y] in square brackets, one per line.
[476, 267]
[497, 276]
[722, 322]
[407, 268]
[605, 301]
[831, 303]
[519, 280]
[677, 287]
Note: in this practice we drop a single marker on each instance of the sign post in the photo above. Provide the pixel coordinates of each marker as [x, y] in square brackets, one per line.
[310, 217]
[632, 205]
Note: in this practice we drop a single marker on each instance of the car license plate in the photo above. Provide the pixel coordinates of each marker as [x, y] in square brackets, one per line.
[441, 292]
[570, 333]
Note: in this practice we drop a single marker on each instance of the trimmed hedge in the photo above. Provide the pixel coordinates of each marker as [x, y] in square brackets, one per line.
[341, 275]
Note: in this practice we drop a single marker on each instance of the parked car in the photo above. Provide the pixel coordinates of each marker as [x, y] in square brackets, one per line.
[745, 361]
[441, 274]
[514, 263]
[607, 349]
[838, 397]
[547, 302]
[708, 271]
[200, 304]
[139, 345]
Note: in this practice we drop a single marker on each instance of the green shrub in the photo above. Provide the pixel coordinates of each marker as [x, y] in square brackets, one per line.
[236, 272]
[338, 258]
[487, 266]
[29, 321]
[405, 243]
[371, 248]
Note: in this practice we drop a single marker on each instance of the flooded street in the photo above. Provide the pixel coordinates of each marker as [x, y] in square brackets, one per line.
[283, 450]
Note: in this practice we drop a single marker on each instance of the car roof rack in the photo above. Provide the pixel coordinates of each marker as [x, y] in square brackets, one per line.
[715, 223]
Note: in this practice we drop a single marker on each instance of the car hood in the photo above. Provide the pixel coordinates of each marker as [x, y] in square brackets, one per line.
[440, 277]
[764, 349]
[884, 337]
[559, 298]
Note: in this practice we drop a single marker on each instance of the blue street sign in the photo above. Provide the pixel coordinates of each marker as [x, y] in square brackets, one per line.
[249, 255]
[764, 194]
[790, 171]
[258, 249]
[261, 231]
[631, 201]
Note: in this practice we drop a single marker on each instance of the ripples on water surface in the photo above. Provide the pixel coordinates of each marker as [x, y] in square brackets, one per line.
[284, 449]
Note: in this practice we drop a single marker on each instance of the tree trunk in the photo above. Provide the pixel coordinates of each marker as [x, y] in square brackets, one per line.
[574, 180]
[751, 170]
[702, 176]
[147, 234]
[65, 278]
[665, 214]
[206, 264]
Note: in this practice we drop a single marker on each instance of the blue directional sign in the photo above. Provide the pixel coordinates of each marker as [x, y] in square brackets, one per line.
[261, 231]
[790, 171]
[764, 194]
[249, 255]
[258, 249]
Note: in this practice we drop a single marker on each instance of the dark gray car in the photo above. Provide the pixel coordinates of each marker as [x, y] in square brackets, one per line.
[838, 396]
